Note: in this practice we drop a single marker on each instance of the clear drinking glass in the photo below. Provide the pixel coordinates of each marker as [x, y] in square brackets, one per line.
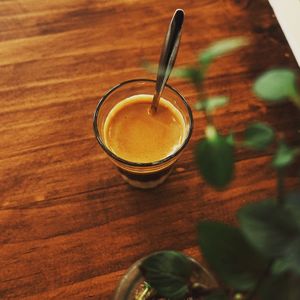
[133, 279]
[141, 175]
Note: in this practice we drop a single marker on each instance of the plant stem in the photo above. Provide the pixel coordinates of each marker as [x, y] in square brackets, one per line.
[208, 117]
[202, 96]
[280, 187]
[280, 203]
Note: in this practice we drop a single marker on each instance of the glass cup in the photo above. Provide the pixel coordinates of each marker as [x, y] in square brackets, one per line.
[132, 281]
[141, 175]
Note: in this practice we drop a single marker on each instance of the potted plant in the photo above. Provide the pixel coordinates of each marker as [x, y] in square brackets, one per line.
[260, 259]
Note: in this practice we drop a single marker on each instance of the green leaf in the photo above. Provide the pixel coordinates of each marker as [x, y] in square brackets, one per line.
[268, 227]
[273, 231]
[276, 85]
[168, 272]
[291, 258]
[258, 136]
[230, 139]
[215, 158]
[192, 74]
[281, 287]
[290, 261]
[220, 48]
[284, 156]
[229, 255]
[292, 203]
[279, 266]
[211, 103]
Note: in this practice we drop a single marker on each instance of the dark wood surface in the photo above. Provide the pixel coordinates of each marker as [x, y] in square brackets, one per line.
[69, 225]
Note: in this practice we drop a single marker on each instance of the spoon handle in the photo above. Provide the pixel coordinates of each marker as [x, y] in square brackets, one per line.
[168, 55]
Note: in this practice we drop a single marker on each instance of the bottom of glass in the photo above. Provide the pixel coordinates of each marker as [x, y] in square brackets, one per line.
[132, 283]
[146, 181]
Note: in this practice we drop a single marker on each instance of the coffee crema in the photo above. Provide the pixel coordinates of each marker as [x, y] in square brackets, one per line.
[132, 133]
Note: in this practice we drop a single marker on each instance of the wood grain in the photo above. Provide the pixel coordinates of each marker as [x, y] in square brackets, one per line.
[69, 225]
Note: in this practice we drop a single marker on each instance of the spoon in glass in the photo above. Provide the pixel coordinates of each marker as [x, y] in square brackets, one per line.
[168, 56]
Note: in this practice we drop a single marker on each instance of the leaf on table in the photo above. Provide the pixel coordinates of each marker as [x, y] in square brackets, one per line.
[276, 85]
[168, 272]
[229, 255]
[258, 136]
[215, 158]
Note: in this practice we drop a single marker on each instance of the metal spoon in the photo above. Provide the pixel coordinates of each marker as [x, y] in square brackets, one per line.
[168, 55]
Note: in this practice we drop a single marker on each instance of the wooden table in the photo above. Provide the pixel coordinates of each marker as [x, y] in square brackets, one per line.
[69, 225]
